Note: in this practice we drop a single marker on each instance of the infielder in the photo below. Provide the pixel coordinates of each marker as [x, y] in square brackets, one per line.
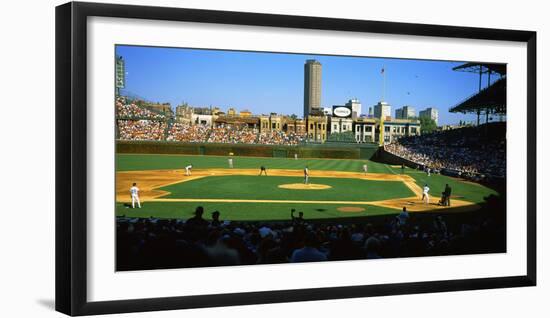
[263, 170]
[188, 170]
[134, 192]
[425, 196]
[230, 162]
[306, 175]
[365, 168]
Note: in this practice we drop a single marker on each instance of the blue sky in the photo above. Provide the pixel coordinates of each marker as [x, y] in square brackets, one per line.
[274, 82]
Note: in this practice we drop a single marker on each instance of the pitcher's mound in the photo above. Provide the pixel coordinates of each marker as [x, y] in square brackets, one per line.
[350, 209]
[302, 186]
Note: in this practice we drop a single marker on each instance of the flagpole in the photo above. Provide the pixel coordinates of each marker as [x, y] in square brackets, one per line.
[384, 86]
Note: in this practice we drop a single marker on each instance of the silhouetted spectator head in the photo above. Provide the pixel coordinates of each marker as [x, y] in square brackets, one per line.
[199, 211]
[311, 240]
[216, 215]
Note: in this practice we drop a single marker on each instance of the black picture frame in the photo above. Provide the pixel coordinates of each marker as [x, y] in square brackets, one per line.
[71, 157]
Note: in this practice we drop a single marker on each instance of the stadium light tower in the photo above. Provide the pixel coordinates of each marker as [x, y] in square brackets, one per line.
[120, 74]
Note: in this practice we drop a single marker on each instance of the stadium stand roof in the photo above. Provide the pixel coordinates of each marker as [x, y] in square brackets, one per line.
[492, 98]
[485, 68]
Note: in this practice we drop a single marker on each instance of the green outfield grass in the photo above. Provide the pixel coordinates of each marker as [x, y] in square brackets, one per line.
[130, 162]
[266, 188]
[254, 187]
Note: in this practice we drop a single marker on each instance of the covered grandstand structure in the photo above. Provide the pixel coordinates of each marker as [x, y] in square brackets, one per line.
[489, 100]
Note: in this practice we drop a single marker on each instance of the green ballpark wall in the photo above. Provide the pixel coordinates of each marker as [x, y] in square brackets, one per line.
[327, 150]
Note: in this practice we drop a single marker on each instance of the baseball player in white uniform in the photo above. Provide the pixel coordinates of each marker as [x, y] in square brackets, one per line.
[295, 156]
[230, 162]
[188, 170]
[365, 168]
[306, 175]
[425, 195]
[134, 192]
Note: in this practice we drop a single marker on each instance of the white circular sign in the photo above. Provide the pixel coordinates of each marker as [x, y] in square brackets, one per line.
[342, 111]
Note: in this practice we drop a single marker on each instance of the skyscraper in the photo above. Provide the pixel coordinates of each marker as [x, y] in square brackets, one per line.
[405, 112]
[382, 109]
[430, 112]
[312, 86]
[355, 105]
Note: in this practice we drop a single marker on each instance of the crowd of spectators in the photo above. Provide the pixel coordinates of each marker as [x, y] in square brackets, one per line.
[125, 110]
[139, 123]
[232, 134]
[472, 151]
[143, 129]
[280, 138]
[188, 133]
[147, 243]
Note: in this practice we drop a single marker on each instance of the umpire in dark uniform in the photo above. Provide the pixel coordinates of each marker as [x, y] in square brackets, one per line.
[447, 195]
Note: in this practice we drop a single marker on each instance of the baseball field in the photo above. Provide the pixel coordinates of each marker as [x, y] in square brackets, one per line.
[337, 188]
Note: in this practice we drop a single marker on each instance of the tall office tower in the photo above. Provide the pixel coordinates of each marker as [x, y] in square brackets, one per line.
[382, 109]
[430, 112]
[405, 112]
[355, 105]
[312, 86]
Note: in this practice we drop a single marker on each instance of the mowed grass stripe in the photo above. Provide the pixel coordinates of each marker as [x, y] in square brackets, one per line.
[133, 162]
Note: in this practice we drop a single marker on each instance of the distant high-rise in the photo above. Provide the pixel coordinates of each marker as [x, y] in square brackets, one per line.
[382, 109]
[405, 112]
[312, 86]
[430, 112]
[355, 105]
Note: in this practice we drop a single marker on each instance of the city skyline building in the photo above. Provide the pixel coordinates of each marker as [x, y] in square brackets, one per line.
[382, 110]
[312, 86]
[430, 112]
[405, 112]
[355, 105]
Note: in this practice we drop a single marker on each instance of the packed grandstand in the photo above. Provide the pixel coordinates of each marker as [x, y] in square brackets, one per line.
[471, 151]
[152, 243]
[139, 123]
